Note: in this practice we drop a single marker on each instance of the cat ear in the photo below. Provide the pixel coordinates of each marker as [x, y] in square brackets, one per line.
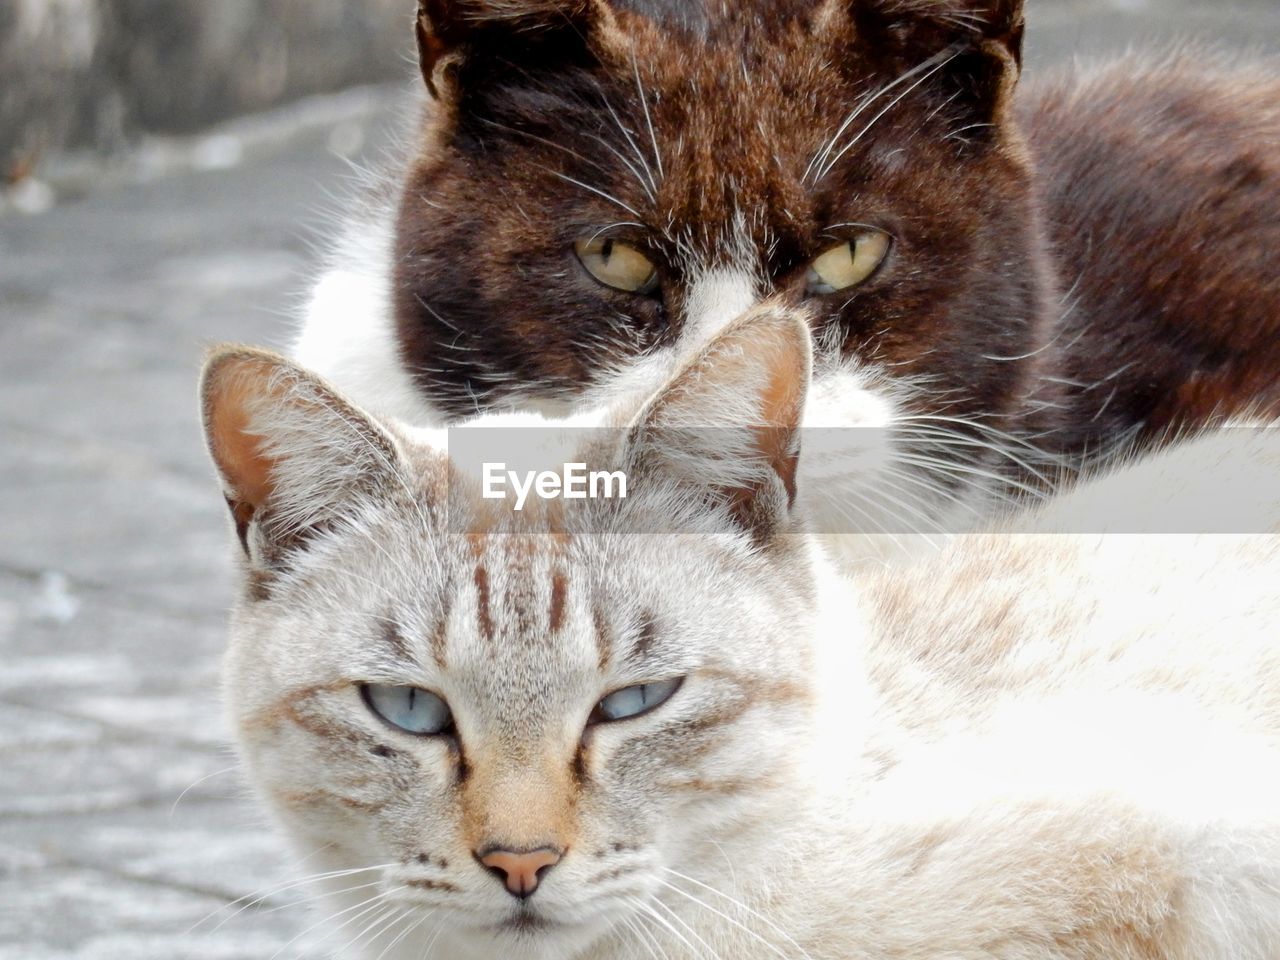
[970, 49]
[465, 40]
[294, 456]
[727, 426]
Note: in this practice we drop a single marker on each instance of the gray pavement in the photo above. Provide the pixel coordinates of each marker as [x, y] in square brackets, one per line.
[124, 829]
[123, 826]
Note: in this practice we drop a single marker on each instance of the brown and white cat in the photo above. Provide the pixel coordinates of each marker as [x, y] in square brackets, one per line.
[512, 734]
[998, 278]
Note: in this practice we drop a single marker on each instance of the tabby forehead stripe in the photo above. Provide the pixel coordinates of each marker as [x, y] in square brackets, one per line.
[604, 638]
[483, 612]
[646, 634]
[440, 639]
[393, 637]
[559, 585]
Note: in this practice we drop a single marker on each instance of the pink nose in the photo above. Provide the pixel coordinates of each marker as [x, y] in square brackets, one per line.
[520, 870]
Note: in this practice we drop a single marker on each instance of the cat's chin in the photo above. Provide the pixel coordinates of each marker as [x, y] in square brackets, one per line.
[529, 935]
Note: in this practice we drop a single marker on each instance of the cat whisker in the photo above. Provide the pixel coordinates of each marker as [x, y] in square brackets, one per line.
[379, 917]
[644, 937]
[256, 897]
[439, 317]
[728, 861]
[958, 133]
[938, 109]
[1105, 404]
[870, 523]
[863, 102]
[934, 489]
[820, 159]
[772, 947]
[650, 908]
[365, 907]
[644, 103]
[385, 921]
[988, 440]
[644, 182]
[405, 934]
[965, 455]
[843, 500]
[319, 896]
[912, 520]
[544, 141]
[934, 64]
[970, 447]
[619, 223]
[590, 189]
[742, 906]
[208, 776]
[963, 448]
[961, 471]
[635, 148]
[429, 948]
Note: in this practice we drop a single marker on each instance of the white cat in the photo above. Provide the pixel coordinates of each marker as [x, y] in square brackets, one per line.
[560, 734]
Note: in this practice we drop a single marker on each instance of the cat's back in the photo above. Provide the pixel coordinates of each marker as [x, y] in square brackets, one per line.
[1164, 613]
[1020, 617]
[1160, 183]
[1080, 733]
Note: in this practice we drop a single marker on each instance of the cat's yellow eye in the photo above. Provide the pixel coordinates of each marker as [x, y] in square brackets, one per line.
[617, 264]
[848, 264]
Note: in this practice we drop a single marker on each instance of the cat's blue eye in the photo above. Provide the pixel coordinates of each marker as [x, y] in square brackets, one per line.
[633, 701]
[412, 709]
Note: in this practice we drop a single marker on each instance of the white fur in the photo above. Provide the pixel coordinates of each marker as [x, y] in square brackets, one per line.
[715, 298]
[1029, 746]
[348, 331]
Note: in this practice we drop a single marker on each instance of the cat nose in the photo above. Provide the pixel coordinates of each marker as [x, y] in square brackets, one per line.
[520, 870]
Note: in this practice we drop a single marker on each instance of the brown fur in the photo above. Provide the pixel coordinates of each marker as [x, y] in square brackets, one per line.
[1161, 188]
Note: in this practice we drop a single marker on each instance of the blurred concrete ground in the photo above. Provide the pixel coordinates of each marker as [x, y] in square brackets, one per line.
[95, 74]
[123, 829]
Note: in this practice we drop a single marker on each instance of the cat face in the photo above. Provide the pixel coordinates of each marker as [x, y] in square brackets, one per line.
[601, 182]
[521, 732]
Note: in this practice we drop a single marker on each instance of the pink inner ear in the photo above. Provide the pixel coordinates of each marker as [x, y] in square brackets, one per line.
[781, 403]
[781, 399]
[238, 452]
